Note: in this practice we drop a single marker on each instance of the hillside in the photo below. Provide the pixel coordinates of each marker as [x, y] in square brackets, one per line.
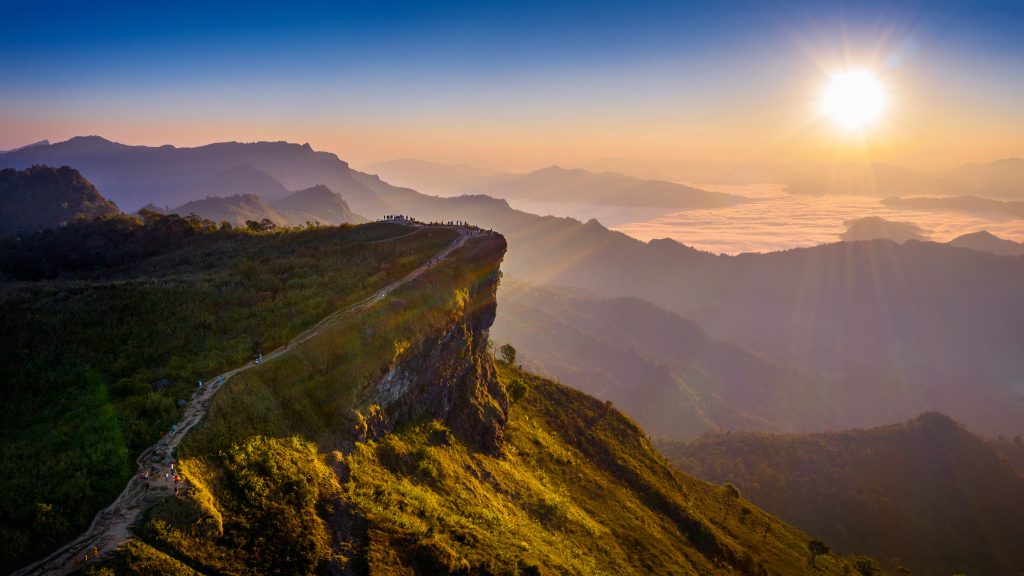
[131, 316]
[393, 444]
[926, 493]
[244, 179]
[607, 188]
[663, 370]
[42, 197]
[236, 210]
[315, 204]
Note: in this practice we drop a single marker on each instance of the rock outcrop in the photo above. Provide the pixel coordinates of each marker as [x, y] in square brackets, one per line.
[449, 374]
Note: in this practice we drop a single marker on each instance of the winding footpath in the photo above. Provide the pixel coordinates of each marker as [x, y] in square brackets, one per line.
[112, 526]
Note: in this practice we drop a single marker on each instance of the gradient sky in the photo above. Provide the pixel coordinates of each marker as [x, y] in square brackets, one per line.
[520, 84]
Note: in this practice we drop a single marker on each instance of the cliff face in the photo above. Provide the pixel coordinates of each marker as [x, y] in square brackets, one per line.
[448, 374]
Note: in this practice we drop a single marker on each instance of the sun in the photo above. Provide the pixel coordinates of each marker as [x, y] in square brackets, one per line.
[853, 99]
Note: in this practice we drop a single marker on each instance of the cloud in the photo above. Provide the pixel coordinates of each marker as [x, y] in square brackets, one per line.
[787, 221]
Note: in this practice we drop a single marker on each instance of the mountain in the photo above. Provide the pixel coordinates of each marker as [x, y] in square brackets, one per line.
[436, 178]
[868, 180]
[315, 204]
[559, 184]
[43, 197]
[999, 179]
[873, 228]
[986, 242]
[389, 441]
[242, 179]
[926, 494]
[908, 321]
[892, 318]
[39, 143]
[169, 176]
[237, 210]
[663, 370]
[969, 204]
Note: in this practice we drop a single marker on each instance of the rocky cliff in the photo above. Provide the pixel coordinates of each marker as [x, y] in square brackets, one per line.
[448, 374]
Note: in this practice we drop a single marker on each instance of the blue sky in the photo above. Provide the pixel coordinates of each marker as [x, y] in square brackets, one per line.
[380, 79]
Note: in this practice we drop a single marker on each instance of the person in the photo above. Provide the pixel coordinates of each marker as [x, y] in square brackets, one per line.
[95, 552]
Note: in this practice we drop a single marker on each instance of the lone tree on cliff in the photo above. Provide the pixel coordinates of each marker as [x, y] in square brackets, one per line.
[508, 354]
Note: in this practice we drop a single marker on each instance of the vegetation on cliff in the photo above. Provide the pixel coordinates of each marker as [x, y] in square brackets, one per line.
[486, 470]
[132, 314]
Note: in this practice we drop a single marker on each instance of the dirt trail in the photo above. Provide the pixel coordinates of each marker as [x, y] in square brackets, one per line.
[112, 525]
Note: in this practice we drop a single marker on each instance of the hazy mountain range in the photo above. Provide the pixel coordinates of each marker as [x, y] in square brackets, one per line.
[925, 494]
[317, 204]
[133, 176]
[666, 371]
[998, 179]
[553, 183]
[910, 323]
[970, 204]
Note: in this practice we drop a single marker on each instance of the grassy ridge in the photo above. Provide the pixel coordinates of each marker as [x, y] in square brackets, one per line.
[575, 489]
[130, 304]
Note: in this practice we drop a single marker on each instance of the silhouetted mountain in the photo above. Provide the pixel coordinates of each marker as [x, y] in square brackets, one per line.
[43, 197]
[661, 369]
[315, 204]
[170, 176]
[237, 210]
[557, 183]
[970, 204]
[39, 143]
[999, 179]
[873, 228]
[242, 179]
[436, 178]
[986, 242]
[926, 494]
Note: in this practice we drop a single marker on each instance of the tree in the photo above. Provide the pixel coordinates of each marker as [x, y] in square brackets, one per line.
[516, 390]
[816, 548]
[508, 354]
[732, 494]
[866, 566]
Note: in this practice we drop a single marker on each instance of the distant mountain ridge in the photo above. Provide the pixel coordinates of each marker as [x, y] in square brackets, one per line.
[436, 178]
[663, 370]
[609, 188]
[970, 204]
[43, 197]
[169, 176]
[926, 494]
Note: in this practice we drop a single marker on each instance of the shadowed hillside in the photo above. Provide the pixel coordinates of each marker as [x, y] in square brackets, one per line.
[926, 494]
[42, 197]
[661, 369]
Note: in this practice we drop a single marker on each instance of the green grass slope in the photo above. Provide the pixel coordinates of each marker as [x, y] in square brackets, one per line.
[298, 470]
[108, 324]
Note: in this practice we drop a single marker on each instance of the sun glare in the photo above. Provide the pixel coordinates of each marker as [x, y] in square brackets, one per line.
[853, 99]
